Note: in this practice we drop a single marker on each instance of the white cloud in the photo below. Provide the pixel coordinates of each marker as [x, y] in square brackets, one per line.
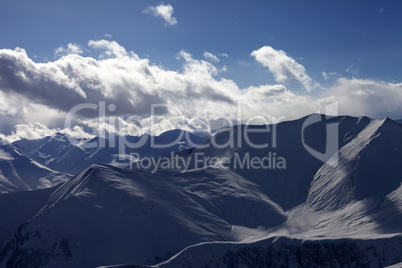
[30, 131]
[243, 63]
[37, 130]
[210, 57]
[366, 97]
[184, 54]
[352, 70]
[327, 76]
[284, 68]
[5, 155]
[163, 11]
[110, 48]
[70, 49]
[37, 96]
[45, 92]
[224, 55]
[266, 91]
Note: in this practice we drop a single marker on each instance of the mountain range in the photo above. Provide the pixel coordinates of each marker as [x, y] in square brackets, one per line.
[219, 209]
[66, 154]
[34, 164]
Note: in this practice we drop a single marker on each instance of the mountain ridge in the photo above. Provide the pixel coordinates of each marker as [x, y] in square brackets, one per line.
[221, 215]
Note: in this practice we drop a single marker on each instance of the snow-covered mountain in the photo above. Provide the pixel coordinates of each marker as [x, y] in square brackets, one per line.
[20, 173]
[352, 213]
[136, 217]
[63, 155]
[215, 214]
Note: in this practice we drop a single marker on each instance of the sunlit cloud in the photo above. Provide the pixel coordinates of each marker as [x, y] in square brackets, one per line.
[36, 97]
[210, 57]
[69, 49]
[162, 11]
[284, 68]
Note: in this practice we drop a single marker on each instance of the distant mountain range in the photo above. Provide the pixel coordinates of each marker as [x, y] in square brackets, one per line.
[301, 213]
[60, 154]
[20, 173]
[34, 164]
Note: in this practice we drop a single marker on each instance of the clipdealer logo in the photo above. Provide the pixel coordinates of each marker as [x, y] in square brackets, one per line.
[200, 161]
[331, 154]
[268, 160]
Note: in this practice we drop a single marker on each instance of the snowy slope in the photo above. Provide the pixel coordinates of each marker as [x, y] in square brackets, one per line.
[286, 187]
[310, 214]
[20, 173]
[352, 214]
[60, 154]
[290, 252]
[46, 151]
[17, 208]
[369, 167]
[137, 217]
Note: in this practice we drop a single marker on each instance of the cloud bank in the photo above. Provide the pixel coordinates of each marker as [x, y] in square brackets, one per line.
[36, 97]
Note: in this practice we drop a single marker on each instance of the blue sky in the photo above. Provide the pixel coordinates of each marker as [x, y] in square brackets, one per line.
[325, 36]
[276, 57]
